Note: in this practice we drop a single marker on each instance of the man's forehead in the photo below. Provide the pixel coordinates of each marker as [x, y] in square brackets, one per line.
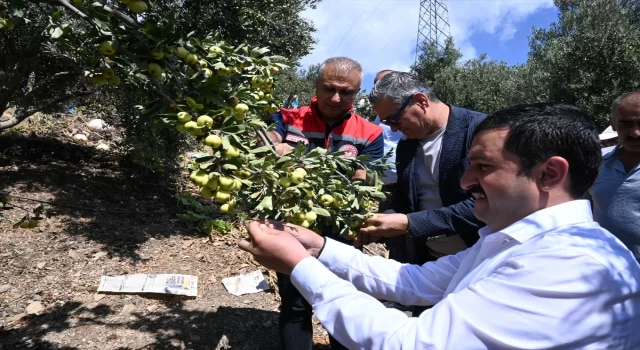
[488, 141]
[331, 76]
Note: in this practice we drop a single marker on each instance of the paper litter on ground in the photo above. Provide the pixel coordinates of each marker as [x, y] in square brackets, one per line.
[252, 282]
[147, 283]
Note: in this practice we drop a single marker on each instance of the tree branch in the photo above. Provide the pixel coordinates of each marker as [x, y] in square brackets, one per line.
[264, 137]
[72, 8]
[130, 21]
[161, 91]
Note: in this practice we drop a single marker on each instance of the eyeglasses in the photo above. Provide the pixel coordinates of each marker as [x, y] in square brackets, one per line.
[394, 120]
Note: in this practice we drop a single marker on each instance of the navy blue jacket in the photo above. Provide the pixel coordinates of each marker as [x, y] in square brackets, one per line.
[456, 215]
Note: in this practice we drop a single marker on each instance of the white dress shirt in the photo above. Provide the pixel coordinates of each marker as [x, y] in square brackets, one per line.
[553, 279]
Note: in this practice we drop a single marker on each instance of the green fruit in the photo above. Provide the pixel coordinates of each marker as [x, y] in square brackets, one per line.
[190, 125]
[226, 183]
[353, 234]
[222, 196]
[99, 79]
[231, 153]
[199, 177]
[239, 117]
[213, 141]
[301, 171]
[138, 6]
[181, 129]
[241, 108]
[305, 224]
[326, 200]
[107, 48]
[191, 59]
[203, 64]
[196, 131]
[154, 69]
[296, 177]
[236, 185]
[205, 120]
[300, 216]
[311, 216]
[243, 174]
[275, 70]
[216, 50]
[114, 80]
[108, 73]
[206, 192]
[184, 117]
[207, 72]
[225, 208]
[213, 183]
[181, 52]
[284, 182]
[158, 55]
[261, 95]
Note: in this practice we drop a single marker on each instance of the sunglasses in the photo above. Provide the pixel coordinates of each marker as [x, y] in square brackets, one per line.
[395, 119]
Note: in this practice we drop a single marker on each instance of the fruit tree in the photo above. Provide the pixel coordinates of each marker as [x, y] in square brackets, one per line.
[220, 94]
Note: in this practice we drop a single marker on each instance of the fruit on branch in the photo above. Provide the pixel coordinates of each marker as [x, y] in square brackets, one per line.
[138, 6]
[297, 176]
[107, 72]
[199, 177]
[158, 55]
[216, 50]
[213, 183]
[206, 192]
[99, 79]
[243, 174]
[326, 200]
[155, 70]
[181, 52]
[225, 208]
[311, 216]
[241, 108]
[274, 70]
[181, 129]
[205, 120]
[190, 58]
[191, 125]
[231, 153]
[222, 196]
[184, 117]
[213, 141]
[225, 183]
[284, 182]
[114, 80]
[107, 48]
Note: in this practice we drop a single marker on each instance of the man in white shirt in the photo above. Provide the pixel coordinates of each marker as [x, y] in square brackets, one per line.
[542, 275]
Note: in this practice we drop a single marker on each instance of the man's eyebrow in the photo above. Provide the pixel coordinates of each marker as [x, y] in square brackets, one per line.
[477, 158]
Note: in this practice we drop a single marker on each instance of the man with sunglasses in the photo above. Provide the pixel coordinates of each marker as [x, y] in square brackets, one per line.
[328, 122]
[429, 209]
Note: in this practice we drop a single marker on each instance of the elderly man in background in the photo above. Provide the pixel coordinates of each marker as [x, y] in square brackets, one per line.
[429, 207]
[616, 191]
[328, 122]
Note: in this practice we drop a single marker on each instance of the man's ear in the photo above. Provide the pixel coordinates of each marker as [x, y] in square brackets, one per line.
[552, 174]
[422, 99]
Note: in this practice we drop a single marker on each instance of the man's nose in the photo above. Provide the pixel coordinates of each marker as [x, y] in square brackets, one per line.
[336, 97]
[468, 180]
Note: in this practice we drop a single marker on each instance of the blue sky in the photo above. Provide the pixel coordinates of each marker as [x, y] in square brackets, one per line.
[381, 34]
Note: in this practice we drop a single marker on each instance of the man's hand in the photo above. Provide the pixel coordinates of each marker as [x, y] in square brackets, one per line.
[283, 148]
[310, 240]
[274, 249]
[383, 225]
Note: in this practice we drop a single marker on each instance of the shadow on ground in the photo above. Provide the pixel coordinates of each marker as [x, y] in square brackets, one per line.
[111, 204]
[226, 328]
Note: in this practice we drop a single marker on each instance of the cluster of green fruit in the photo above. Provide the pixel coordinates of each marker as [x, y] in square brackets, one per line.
[104, 76]
[136, 6]
[220, 188]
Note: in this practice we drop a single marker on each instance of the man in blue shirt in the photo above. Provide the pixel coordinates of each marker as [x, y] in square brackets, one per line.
[616, 191]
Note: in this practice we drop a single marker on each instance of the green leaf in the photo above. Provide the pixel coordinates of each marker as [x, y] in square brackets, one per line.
[266, 203]
[321, 211]
[261, 149]
[229, 167]
[56, 33]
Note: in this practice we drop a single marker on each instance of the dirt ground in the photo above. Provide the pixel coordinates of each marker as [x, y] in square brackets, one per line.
[119, 223]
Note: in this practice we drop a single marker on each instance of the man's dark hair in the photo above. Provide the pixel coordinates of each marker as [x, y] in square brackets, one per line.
[540, 131]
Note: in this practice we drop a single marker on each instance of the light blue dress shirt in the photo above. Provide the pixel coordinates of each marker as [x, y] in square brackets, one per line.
[616, 200]
[390, 142]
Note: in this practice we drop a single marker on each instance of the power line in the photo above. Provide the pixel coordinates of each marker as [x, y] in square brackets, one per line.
[354, 38]
[352, 25]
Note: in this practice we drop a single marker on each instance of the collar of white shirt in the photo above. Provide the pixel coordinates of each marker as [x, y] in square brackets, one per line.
[544, 220]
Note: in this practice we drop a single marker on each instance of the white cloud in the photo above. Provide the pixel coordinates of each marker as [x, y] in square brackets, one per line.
[381, 34]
